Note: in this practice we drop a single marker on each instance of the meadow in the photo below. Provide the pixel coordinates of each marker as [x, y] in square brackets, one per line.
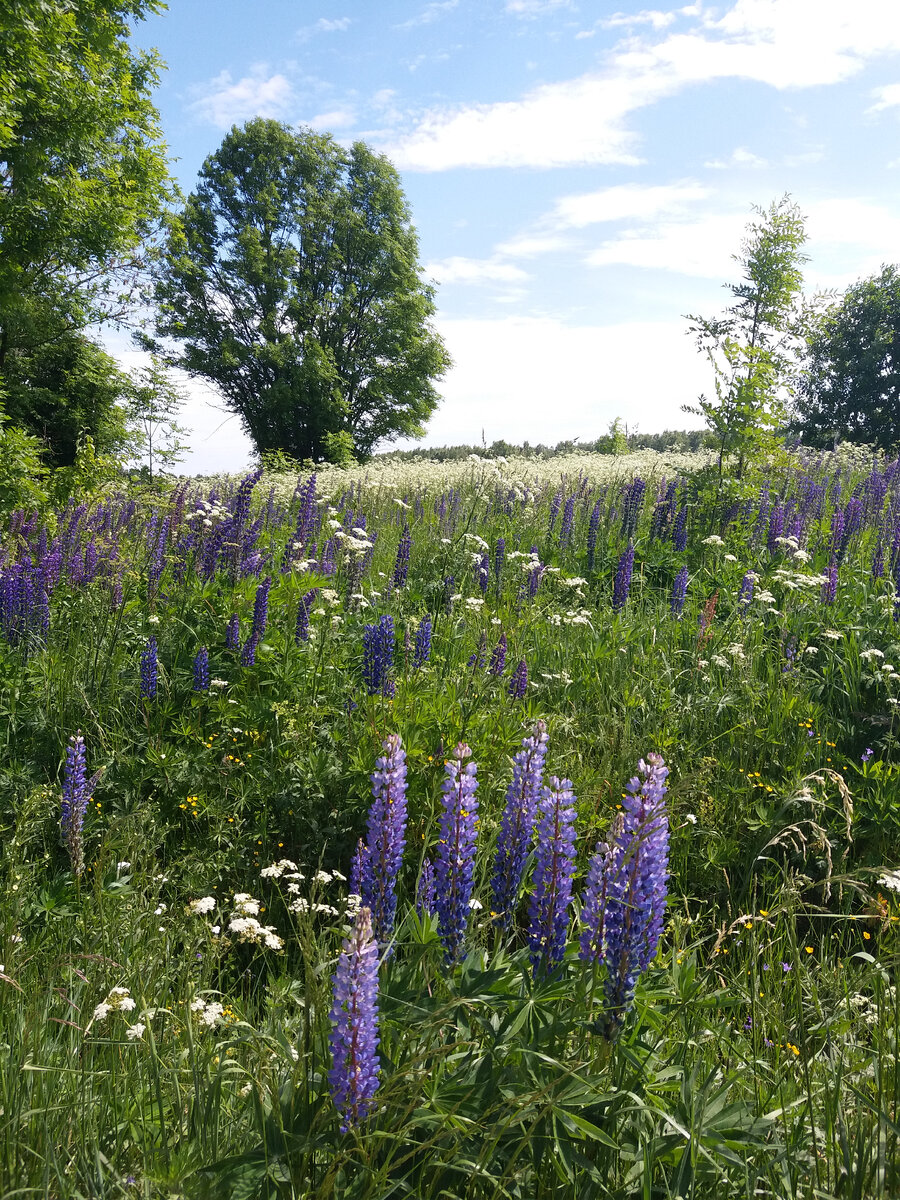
[253, 665]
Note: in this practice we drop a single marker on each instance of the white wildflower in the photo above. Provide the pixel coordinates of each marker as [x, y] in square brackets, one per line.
[713, 540]
[136, 1031]
[205, 904]
[890, 880]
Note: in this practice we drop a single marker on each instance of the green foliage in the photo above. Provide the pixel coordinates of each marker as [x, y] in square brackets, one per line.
[749, 346]
[152, 409]
[320, 323]
[850, 384]
[338, 448]
[23, 473]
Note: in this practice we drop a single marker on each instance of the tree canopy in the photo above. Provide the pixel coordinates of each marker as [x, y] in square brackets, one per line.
[850, 385]
[292, 282]
[749, 345]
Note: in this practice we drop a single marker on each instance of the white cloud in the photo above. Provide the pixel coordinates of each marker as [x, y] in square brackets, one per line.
[658, 20]
[740, 157]
[535, 8]
[474, 270]
[224, 102]
[701, 247]
[324, 25]
[625, 201]
[337, 118]
[886, 97]
[536, 378]
[531, 245]
[781, 43]
[430, 13]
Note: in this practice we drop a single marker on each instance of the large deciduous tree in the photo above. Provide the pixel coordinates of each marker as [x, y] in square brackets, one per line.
[751, 345]
[292, 282]
[850, 385]
[84, 188]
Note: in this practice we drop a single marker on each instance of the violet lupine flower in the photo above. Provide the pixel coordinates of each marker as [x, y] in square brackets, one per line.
[149, 670]
[425, 890]
[422, 651]
[326, 564]
[632, 505]
[746, 593]
[853, 518]
[568, 519]
[357, 868]
[478, 657]
[517, 828]
[878, 562]
[535, 575]
[593, 525]
[201, 670]
[354, 1015]
[679, 591]
[555, 505]
[518, 682]
[233, 632]
[498, 657]
[401, 563]
[483, 573]
[248, 650]
[636, 889]
[76, 795]
[829, 588]
[602, 870]
[378, 656]
[499, 559]
[386, 837]
[301, 632]
[679, 530]
[261, 608]
[622, 583]
[449, 589]
[455, 859]
[553, 871]
[776, 527]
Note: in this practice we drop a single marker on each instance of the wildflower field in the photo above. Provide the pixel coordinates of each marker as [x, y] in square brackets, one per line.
[489, 829]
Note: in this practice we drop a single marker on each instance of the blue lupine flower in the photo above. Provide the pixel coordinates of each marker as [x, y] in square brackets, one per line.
[498, 656]
[261, 608]
[637, 888]
[386, 837]
[746, 592]
[593, 525]
[354, 1015]
[829, 588]
[553, 871]
[201, 670]
[499, 559]
[483, 572]
[555, 504]
[357, 868]
[776, 527]
[425, 890]
[518, 682]
[149, 670]
[602, 872]
[679, 591]
[378, 656]
[301, 632]
[248, 650]
[565, 529]
[679, 530]
[517, 828]
[622, 583]
[233, 632]
[401, 563]
[632, 505]
[477, 658]
[455, 859]
[76, 795]
[422, 651]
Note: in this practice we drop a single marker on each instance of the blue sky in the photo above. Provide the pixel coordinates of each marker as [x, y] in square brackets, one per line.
[579, 174]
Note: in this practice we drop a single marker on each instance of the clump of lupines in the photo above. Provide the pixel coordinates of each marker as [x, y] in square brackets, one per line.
[518, 682]
[455, 858]
[631, 508]
[76, 795]
[498, 656]
[628, 889]
[622, 582]
[679, 592]
[149, 670]
[378, 656]
[201, 670]
[517, 826]
[553, 872]
[386, 837]
[422, 650]
[354, 1016]
[401, 563]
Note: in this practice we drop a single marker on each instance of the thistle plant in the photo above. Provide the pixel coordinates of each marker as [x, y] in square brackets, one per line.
[553, 872]
[455, 858]
[353, 1077]
[386, 838]
[517, 828]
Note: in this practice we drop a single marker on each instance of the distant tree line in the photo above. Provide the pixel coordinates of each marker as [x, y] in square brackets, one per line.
[680, 440]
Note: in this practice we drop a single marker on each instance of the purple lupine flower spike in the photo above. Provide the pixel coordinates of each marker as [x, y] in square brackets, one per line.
[518, 682]
[301, 632]
[354, 1015]
[593, 525]
[77, 793]
[233, 632]
[378, 657]
[622, 584]
[248, 650]
[829, 588]
[553, 872]
[476, 659]
[261, 608]
[746, 592]
[149, 670]
[455, 860]
[517, 827]
[636, 893]
[201, 670]
[498, 656]
[386, 838]
[422, 651]
[401, 564]
[679, 591]
[357, 868]
[601, 872]
[425, 890]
